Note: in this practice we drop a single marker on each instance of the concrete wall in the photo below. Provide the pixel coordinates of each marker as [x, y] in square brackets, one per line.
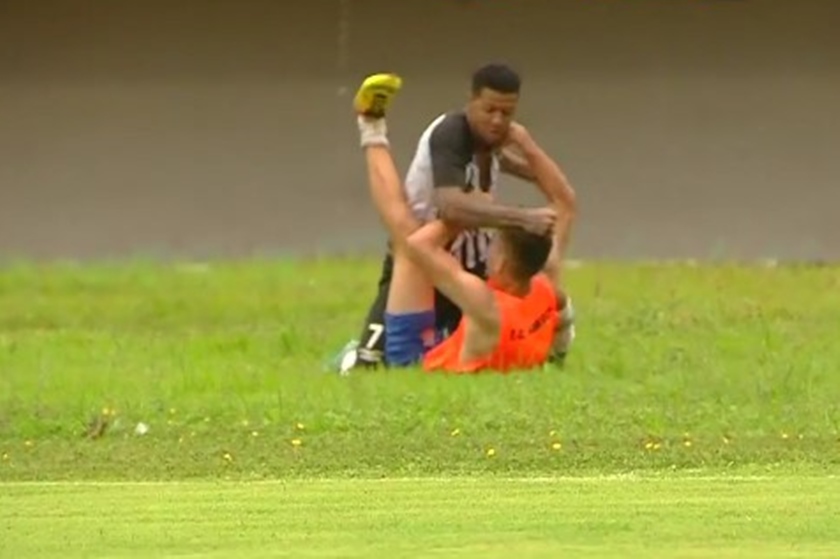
[691, 128]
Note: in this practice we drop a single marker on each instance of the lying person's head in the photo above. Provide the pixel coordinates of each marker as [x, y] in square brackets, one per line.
[517, 255]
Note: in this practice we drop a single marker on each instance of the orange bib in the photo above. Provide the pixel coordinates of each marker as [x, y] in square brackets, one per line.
[528, 326]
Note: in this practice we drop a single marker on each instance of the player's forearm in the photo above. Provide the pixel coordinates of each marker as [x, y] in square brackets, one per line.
[471, 212]
[554, 184]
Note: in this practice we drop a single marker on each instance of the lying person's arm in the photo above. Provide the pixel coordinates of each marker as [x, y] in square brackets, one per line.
[472, 295]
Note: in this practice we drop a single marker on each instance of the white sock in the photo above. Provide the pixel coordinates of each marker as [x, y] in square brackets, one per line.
[373, 132]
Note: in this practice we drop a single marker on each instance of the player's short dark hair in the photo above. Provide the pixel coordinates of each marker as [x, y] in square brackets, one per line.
[529, 251]
[497, 77]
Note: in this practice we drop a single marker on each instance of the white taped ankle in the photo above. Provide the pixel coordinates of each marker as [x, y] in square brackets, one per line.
[373, 132]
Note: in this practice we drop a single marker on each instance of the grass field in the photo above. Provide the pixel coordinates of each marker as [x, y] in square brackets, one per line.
[698, 415]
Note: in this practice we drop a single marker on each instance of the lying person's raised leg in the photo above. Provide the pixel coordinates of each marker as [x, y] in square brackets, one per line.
[409, 312]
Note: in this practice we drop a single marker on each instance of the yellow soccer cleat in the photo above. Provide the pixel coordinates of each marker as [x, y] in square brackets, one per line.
[376, 93]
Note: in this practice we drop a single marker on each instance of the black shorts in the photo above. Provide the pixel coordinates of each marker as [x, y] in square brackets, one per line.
[372, 338]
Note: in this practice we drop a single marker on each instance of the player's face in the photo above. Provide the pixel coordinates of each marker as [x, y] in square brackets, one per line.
[490, 114]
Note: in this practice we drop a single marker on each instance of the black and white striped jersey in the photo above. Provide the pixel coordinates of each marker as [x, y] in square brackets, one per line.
[445, 157]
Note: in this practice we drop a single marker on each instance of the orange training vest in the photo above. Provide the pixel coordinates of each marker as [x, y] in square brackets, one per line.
[527, 332]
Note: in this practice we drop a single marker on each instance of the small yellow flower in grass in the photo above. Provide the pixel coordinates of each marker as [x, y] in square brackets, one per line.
[455, 433]
[109, 412]
[227, 457]
[296, 442]
[300, 426]
[255, 433]
[245, 422]
[649, 445]
[491, 452]
[726, 440]
[687, 443]
[557, 446]
[5, 456]
[552, 434]
[657, 446]
[785, 436]
[28, 444]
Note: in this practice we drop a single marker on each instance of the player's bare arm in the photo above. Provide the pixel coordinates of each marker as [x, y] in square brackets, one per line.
[450, 158]
[426, 248]
[551, 180]
[472, 212]
[513, 163]
[517, 159]
[553, 183]
[524, 154]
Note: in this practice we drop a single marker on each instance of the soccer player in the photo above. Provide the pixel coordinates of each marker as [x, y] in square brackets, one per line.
[508, 322]
[454, 175]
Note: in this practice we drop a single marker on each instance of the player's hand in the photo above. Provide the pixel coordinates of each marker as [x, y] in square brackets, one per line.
[539, 221]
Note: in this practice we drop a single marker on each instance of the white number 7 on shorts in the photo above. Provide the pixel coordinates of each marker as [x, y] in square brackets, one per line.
[376, 333]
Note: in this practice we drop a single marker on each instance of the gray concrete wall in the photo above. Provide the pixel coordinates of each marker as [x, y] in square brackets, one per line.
[691, 128]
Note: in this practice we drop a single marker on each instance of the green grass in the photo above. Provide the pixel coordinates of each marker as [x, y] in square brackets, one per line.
[720, 370]
[658, 517]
